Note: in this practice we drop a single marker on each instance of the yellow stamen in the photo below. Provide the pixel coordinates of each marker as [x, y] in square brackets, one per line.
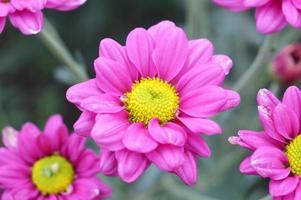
[52, 174]
[293, 152]
[151, 98]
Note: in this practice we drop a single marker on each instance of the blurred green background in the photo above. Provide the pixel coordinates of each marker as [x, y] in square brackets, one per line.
[33, 84]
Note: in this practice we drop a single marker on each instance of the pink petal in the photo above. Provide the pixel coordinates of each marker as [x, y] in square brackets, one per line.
[107, 163]
[198, 145]
[270, 162]
[203, 102]
[109, 130]
[27, 22]
[87, 163]
[224, 61]
[298, 191]
[31, 5]
[102, 104]
[159, 28]
[254, 139]
[138, 139]
[73, 148]
[2, 23]
[77, 93]
[199, 52]
[188, 171]
[169, 133]
[232, 100]
[233, 5]
[64, 5]
[291, 13]
[112, 76]
[269, 18]
[199, 125]
[292, 99]
[56, 131]
[130, 165]
[283, 187]
[111, 49]
[167, 157]
[27, 143]
[139, 47]
[255, 3]
[89, 189]
[83, 126]
[297, 4]
[246, 167]
[267, 99]
[10, 137]
[286, 121]
[196, 78]
[170, 52]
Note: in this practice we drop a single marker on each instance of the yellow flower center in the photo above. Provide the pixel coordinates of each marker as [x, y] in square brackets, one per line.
[52, 174]
[293, 152]
[151, 98]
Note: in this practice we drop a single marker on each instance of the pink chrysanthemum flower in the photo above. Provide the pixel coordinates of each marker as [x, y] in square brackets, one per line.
[276, 151]
[27, 16]
[48, 165]
[150, 100]
[271, 15]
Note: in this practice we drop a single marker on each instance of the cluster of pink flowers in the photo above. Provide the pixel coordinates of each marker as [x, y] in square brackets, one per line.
[271, 15]
[27, 16]
[150, 101]
[48, 165]
[276, 151]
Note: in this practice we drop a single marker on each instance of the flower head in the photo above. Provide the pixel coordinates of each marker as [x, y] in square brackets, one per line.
[27, 16]
[151, 99]
[276, 151]
[48, 164]
[286, 65]
[271, 15]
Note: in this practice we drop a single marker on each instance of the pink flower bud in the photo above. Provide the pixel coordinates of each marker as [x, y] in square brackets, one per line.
[287, 64]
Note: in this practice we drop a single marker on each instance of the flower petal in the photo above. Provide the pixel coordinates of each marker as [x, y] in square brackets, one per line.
[112, 76]
[159, 28]
[269, 18]
[27, 22]
[196, 78]
[10, 137]
[111, 49]
[283, 187]
[83, 126]
[255, 3]
[139, 47]
[233, 5]
[64, 5]
[198, 145]
[188, 171]
[109, 130]
[2, 23]
[286, 121]
[224, 61]
[199, 125]
[246, 167]
[130, 165]
[270, 162]
[169, 133]
[292, 99]
[170, 52]
[102, 104]
[138, 139]
[107, 163]
[291, 13]
[203, 102]
[167, 157]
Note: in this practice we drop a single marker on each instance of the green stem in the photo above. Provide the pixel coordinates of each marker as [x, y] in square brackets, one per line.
[256, 66]
[268, 197]
[55, 45]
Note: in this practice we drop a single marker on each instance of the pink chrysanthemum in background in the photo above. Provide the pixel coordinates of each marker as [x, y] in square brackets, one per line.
[271, 15]
[286, 65]
[48, 165]
[150, 101]
[276, 151]
[27, 16]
